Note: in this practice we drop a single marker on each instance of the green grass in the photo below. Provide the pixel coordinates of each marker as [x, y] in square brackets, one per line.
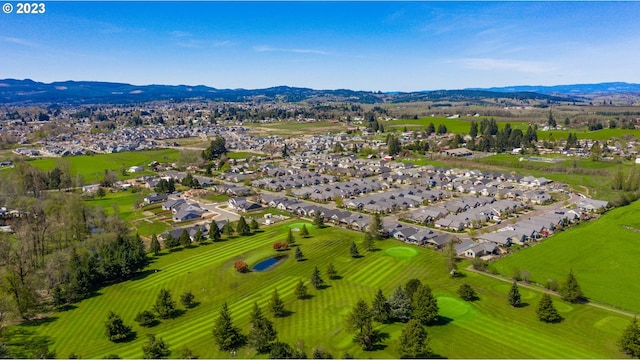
[243, 155]
[603, 255]
[122, 202]
[402, 252]
[487, 328]
[92, 167]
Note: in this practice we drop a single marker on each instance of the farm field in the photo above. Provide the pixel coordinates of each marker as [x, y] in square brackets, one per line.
[92, 167]
[208, 272]
[603, 255]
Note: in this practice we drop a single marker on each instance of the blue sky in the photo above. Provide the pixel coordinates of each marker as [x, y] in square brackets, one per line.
[385, 46]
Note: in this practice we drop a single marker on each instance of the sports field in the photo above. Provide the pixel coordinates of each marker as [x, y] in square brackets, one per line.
[603, 255]
[487, 328]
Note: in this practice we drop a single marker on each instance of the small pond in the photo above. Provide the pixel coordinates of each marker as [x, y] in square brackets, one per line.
[269, 263]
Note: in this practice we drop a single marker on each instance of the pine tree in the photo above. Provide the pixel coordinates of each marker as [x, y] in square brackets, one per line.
[187, 299]
[570, 290]
[331, 271]
[276, 305]
[155, 348]
[261, 334]
[214, 232]
[375, 227]
[359, 316]
[242, 228]
[301, 290]
[380, 308]
[198, 236]
[170, 242]
[473, 131]
[411, 286]
[514, 295]
[164, 306]
[629, 342]
[367, 243]
[304, 232]
[316, 279]
[413, 342]
[227, 336]
[466, 292]
[227, 229]
[290, 238]
[115, 329]
[367, 337]
[154, 247]
[145, 318]
[318, 221]
[452, 267]
[299, 254]
[425, 306]
[400, 305]
[254, 224]
[546, 311]
[353, 250]
[185, 240]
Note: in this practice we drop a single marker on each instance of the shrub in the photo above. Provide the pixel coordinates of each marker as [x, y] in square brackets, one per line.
[241, 266]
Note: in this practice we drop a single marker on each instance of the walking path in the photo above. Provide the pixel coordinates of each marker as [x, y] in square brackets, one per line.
[553, 293]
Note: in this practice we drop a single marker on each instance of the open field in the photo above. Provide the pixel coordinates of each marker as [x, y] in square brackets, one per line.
[293, 128]
[208, 272]
[92, 167]
[603, 255]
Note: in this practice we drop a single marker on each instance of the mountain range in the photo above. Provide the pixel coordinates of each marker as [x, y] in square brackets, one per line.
[91, 92]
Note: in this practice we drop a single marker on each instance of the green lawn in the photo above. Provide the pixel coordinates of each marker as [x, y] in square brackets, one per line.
[487, 328]
[603, 255]
[122, 201]
[243, 154]
[92, 167]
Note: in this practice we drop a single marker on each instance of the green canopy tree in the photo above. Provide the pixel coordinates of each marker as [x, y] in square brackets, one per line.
[185, 240]
[466, 292]
[115, 329]
[570, 291]
[187, 299]
[413, 342]
[165, 307]
[514, 295]
[155, 348]
[424, 306]
[629, 342]
[227, 336]
[380, 308]
[546, 311]
[261, 333]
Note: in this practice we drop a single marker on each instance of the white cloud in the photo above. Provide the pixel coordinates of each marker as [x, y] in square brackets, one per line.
[490, 64]
[202, 44]
[18, 41]
[299, 51]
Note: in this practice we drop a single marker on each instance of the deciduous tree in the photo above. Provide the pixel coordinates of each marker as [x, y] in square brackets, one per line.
[629, 342]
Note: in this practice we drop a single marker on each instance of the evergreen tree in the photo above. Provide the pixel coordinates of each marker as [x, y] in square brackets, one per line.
[214, 232]
[281, 350]
[367, 337]
[359, 316]
[466, 292]
[331, 271]
[413, 342]
[261, 333]
[299, 254]
[473, 131]
[243, 228]
[215, 149]
[154, 247]
[198, 236]
[353, 250]
[254, 225]
[185, 240]
[227, 336]
[301, 290]
[187, 299]
[115, 329]
[514, 295]
[276, 305]
[375, 228]
[164, 306]
[430, 129]
[570, 290]
[316, 279]
[304, 232]
[411, 286]
[227, 229]
[546, 311]
[424, 305]
[629, 342]
[145, 318]
[368, 241]
[380, 308]
[451, 258]
[551, 122]
[318, 221]
[155, 348]
[400, 305]
[290, 238]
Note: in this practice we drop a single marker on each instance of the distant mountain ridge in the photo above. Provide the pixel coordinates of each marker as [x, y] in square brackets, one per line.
[92, 92]
[575, 89]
